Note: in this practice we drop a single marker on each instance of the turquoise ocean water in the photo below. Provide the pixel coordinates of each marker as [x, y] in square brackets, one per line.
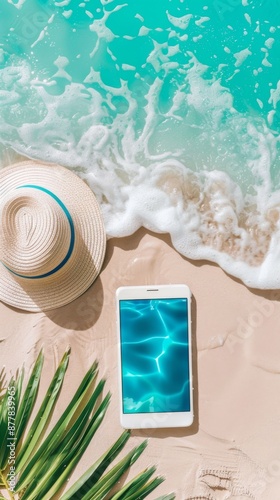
[169, 109]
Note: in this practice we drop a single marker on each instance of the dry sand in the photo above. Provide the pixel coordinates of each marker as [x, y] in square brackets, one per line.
[233, 448]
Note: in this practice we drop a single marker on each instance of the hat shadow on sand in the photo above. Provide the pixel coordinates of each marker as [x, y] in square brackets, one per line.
[83, 312]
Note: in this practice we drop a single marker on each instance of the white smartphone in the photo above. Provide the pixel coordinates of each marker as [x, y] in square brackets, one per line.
[155, 356]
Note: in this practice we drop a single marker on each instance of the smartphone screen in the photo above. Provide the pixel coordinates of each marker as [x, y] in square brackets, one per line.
[155, 357]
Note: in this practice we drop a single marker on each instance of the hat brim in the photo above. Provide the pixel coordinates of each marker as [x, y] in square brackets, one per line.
[88, 253]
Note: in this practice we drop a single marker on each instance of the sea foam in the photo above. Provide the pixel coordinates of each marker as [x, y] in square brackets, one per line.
[157, 130]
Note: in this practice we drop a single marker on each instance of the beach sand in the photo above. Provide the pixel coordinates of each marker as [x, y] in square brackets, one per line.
[233, 448]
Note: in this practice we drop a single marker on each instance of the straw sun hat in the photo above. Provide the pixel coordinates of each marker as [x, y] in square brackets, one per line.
[52, 238]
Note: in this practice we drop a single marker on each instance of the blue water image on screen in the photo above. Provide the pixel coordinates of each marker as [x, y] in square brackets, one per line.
[155, 355]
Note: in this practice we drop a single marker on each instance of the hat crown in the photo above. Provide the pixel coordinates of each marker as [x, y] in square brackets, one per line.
[36, 234]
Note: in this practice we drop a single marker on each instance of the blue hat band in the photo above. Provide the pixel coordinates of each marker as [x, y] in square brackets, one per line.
[72, 235]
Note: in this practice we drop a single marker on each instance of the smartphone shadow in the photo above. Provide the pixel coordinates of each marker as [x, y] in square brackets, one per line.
[180, 432]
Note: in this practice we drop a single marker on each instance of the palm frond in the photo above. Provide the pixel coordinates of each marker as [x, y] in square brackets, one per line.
[40, 421]
[8, 408]
[58, 432]
[4, 433]
[50, 484]
[91, 476]
[28, 400]
[45, 460]
[142, 491]
[134, 485]
[107, 482]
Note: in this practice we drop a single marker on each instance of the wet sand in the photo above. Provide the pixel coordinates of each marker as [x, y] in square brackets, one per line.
[233, 448]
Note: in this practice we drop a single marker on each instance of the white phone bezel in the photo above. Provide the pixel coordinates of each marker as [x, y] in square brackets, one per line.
[155, 420]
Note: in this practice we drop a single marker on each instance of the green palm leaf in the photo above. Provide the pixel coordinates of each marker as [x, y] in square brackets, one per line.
[53, 477]
[60, 447]
[27, 403]
[106, 483]
[134, 485]
[4, 430]
[43, 414]
[58, 432]
[141, 493]
[44, 461]
[8, 409]
[65, 471]
[91, 476]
